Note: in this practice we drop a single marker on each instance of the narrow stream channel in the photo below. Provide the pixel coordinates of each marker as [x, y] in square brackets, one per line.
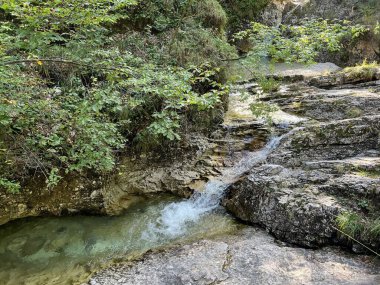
[66, 250]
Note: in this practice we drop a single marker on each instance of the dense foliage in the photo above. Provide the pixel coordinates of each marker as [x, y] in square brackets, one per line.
[241, 13]
[299, 43]
[79, 80]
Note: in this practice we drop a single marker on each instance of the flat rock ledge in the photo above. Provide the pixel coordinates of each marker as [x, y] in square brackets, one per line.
[249, 257]
[325, 166]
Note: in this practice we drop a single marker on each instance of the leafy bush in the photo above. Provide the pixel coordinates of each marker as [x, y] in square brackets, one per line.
[9, 186]
[212, 14]
[299, 43]
[197, 45]
[75, 91]
[242, 12]
[369, 11]
[356, 226]
[180, 32]
[268, 84]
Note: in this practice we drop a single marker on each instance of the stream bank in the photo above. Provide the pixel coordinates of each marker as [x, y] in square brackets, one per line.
[325, 162]
[250, 256]
[319, 158]
[307, 173]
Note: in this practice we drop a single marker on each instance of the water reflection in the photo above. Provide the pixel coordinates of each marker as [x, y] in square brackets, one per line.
[66, 250]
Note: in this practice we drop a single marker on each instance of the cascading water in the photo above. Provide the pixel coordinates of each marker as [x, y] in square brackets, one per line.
[177, 216]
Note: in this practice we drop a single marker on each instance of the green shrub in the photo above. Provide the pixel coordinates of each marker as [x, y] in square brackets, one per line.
[242, 12]
[350, 223]
[375, 228]
[298, 43]
[198, 45]
[268, 85]
[211, 14]
[75, 90]
[9, 186]
[358, 227]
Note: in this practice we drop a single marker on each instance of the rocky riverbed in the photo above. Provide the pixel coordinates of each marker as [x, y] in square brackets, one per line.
[322, 167]
[249, 257]
[326, 162]
[292, 171]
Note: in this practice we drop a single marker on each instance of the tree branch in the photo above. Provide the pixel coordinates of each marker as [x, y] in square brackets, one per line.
[377, 52]
[234, 59]
[62, 61]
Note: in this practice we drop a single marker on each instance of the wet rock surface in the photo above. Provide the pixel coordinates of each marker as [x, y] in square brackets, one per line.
[323, 167]
[250, 257]
[239, 134]
[74, 196]
[327, 160]
[298, 72]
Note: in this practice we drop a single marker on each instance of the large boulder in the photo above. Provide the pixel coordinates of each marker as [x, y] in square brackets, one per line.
[324, 167]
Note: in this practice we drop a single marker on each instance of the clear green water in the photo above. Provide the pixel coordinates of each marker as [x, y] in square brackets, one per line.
[66, 250]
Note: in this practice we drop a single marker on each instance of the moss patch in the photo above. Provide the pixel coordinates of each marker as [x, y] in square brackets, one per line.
[365, 229]
[369, 173]
[364, 70]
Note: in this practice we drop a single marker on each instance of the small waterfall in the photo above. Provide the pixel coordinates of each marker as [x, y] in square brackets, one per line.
[248, 161]
[177, 216]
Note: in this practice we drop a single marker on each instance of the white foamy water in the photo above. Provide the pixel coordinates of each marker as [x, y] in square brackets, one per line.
[283, 119]
[176, 217]
[248, 161]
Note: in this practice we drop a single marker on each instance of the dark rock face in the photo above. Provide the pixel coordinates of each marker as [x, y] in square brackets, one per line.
[320, 168]
[341, 78]
[293, 216]
[204, 158]
[250, 257]
[74, 195]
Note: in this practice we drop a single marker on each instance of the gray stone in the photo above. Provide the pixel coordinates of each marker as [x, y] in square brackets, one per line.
[320, 168]
[250, 257]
